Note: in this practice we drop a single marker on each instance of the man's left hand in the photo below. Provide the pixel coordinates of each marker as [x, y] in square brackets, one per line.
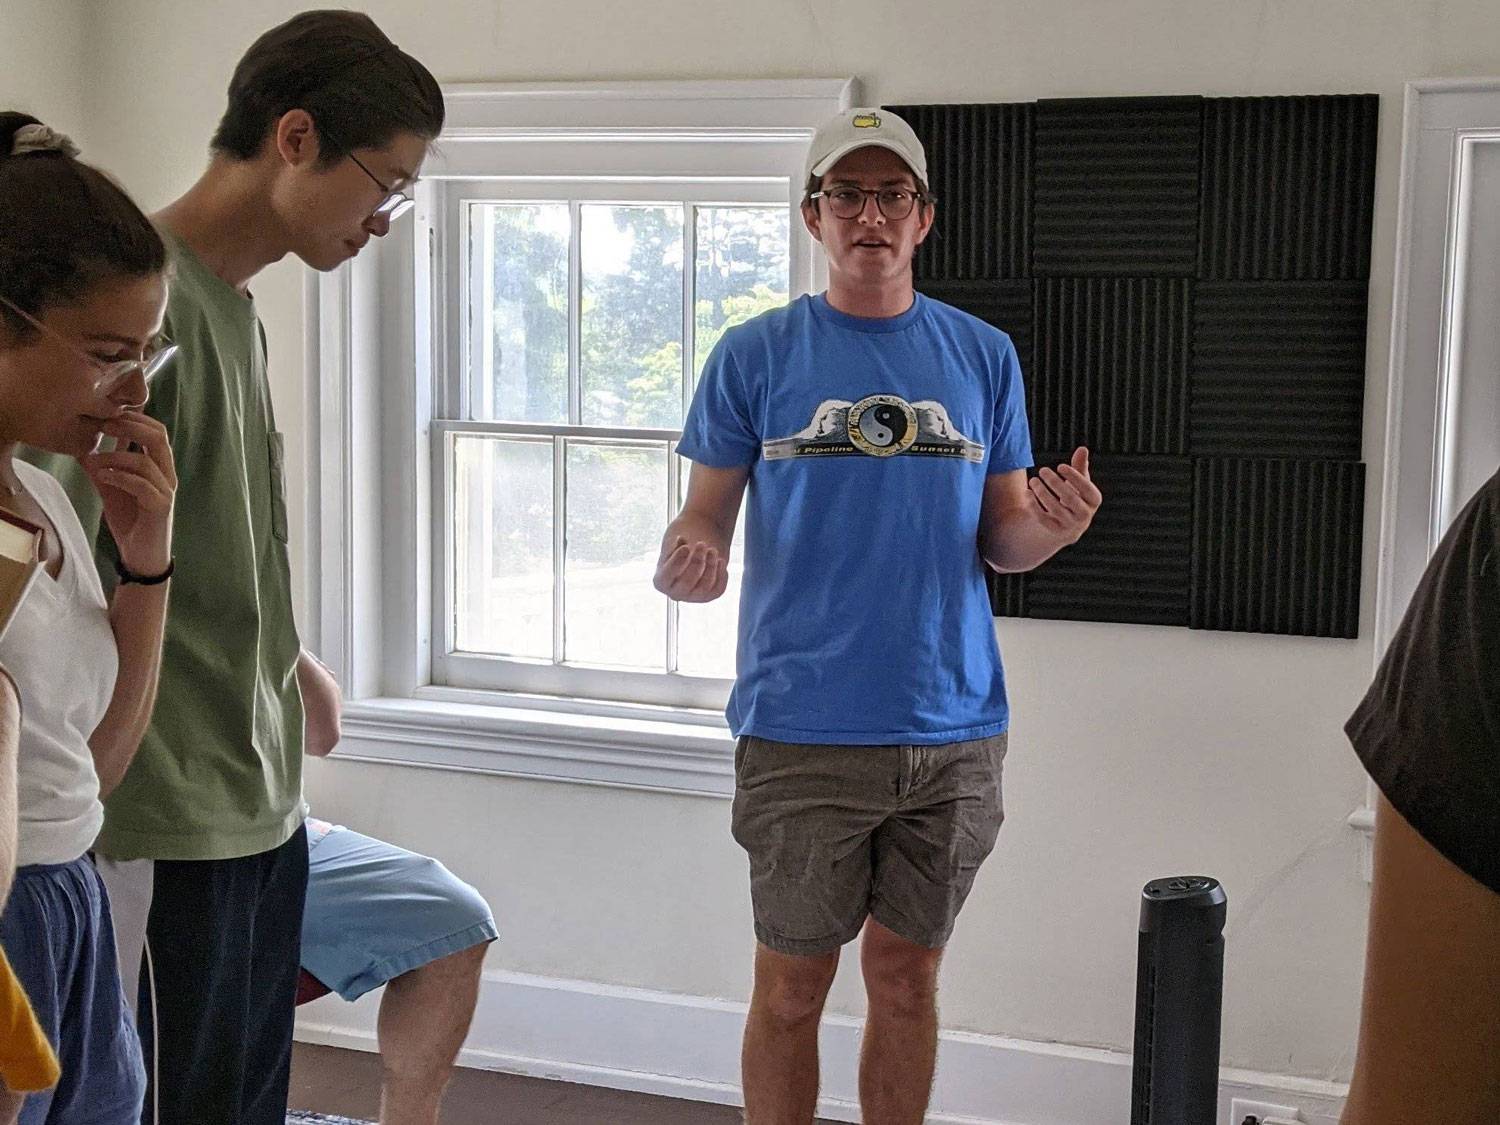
[1066, 497]
[322, 705]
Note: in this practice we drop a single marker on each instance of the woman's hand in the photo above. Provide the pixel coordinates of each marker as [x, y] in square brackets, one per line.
[138, 484]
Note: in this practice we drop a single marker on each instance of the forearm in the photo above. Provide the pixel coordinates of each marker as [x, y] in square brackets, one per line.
[10, 736]
[138, 615]
[1017, 540]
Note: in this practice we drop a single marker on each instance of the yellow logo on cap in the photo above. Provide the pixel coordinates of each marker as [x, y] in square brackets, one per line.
[866, 121]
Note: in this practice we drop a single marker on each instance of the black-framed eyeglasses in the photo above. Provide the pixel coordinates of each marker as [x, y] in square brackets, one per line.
[894, 203]
[396, 203]
[112, 373]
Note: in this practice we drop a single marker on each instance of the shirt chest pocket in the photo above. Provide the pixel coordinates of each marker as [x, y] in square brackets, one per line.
[276, 457]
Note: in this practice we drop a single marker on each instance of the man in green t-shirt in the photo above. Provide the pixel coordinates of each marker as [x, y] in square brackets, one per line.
[327, 125]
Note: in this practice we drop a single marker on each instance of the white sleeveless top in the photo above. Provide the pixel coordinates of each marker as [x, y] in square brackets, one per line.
[61, 650]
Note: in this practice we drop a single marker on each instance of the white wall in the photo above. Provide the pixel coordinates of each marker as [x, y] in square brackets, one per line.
[43, 63]
[1137, 752]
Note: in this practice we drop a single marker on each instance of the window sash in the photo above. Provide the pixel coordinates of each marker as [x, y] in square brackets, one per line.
[455, 668]
[456, 412]
[450, 235]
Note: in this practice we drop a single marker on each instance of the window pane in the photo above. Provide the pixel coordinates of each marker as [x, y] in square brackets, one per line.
[518, 331]
[502, 535]
[617, 512]
[743, 268]
[631, 366]
[706, 631]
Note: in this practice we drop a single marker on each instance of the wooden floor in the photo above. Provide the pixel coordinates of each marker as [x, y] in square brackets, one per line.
[347, 1083]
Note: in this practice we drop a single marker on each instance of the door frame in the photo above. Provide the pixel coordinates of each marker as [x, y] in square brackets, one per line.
[1444, 120]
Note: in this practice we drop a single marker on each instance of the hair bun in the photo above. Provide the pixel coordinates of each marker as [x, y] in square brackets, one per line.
[39, 138]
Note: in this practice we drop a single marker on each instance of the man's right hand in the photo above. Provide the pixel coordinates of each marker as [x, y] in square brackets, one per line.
[691, 572]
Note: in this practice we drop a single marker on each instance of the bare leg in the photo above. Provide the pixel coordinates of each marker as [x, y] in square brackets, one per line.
[780, 1059]
[424, 1016]
[899, 1051]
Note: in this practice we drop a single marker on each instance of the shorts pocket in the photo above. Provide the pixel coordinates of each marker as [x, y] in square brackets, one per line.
[980, 810]
[744, 747]
[276, 451]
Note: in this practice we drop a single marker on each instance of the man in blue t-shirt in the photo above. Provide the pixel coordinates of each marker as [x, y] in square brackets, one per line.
[884, 442]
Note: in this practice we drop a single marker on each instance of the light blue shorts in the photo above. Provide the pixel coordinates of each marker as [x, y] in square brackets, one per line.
[376, 911]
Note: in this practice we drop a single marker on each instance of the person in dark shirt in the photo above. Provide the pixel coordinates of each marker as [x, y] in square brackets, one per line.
[1429, 733]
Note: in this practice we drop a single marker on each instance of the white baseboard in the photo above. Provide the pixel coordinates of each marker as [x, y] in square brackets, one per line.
[688, 1047]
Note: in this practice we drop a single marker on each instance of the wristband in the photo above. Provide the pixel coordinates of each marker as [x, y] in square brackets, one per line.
[129, 577]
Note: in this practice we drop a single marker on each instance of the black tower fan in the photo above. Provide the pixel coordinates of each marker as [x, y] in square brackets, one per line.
[1179, 996]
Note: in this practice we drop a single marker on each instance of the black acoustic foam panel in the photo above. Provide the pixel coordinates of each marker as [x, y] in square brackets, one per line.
[1271, 539]
[1288, 188]
[1278, 368]
[981, 156]
[1117, 186]
[1185, 280]
[1112, 367]
[1133, 565]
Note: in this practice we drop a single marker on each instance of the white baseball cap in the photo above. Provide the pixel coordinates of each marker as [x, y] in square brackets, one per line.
[865, 127]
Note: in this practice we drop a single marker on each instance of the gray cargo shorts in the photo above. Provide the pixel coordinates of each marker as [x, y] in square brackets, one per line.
[836, 834]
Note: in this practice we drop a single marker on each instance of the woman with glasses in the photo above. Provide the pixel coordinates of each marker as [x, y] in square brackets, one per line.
[83, 288]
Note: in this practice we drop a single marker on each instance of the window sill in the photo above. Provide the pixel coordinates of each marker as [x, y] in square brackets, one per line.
[659, 749]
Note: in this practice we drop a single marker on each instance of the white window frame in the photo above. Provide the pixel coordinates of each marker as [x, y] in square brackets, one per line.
[378, 384]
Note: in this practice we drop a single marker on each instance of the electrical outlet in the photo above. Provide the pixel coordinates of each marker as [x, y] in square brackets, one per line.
[1243, 1111]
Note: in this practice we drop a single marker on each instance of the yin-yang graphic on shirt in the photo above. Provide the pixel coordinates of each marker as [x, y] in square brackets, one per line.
[878, 425]
[882, 425]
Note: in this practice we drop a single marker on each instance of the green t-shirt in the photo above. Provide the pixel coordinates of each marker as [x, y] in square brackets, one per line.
[219, 772]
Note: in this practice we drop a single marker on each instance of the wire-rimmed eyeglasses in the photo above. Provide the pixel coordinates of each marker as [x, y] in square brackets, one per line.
[396, 203]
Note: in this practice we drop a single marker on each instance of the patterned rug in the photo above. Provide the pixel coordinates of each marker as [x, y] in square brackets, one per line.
[293, 1117]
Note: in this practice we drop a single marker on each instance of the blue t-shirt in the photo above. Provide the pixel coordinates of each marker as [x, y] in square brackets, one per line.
[864, 617]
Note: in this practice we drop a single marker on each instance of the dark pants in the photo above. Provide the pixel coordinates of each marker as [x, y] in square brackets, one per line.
[225, 941]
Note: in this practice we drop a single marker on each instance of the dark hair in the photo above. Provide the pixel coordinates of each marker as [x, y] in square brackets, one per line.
[339, 67]
[67, 226]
